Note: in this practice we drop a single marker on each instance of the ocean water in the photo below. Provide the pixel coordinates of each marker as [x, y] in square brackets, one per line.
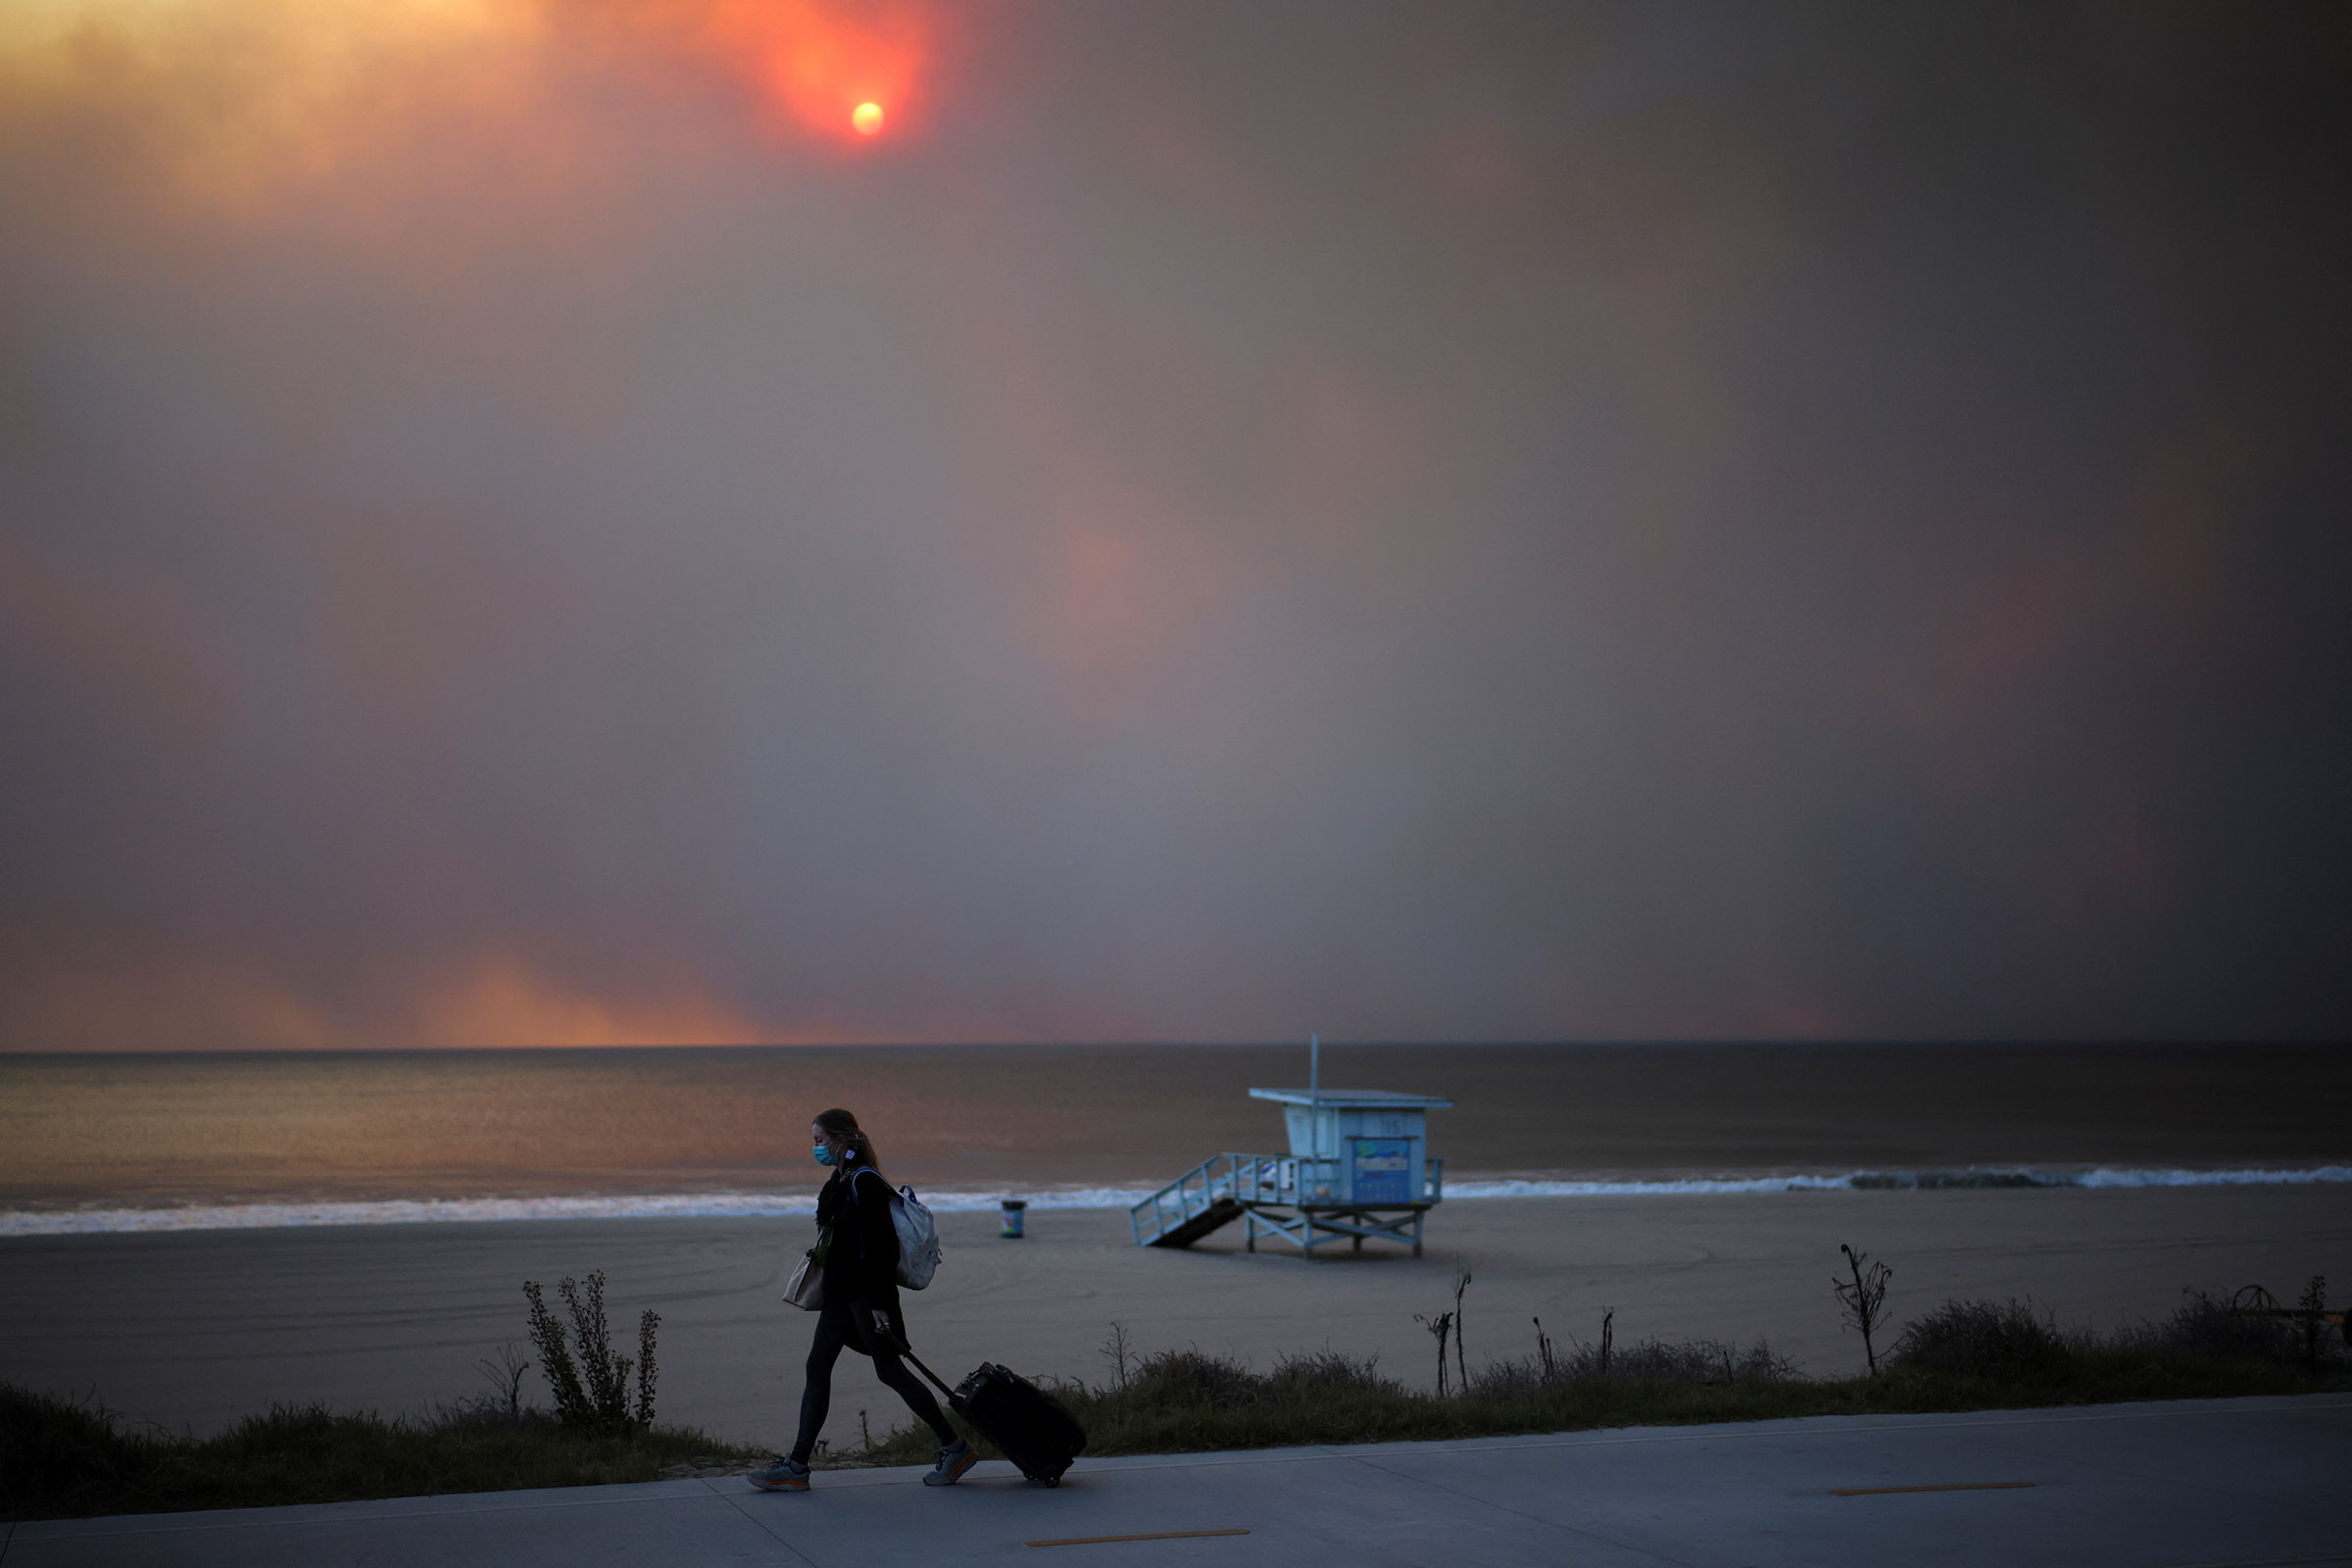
[197, 1141]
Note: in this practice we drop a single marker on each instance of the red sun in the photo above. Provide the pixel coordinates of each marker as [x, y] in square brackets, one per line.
[841, 68]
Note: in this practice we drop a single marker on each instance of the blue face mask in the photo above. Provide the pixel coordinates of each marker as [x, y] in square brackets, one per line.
[824, 1155]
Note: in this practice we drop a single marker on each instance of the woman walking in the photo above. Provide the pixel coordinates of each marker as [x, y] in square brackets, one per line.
[859, 1246]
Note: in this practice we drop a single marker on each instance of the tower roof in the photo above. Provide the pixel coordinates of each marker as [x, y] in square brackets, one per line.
[1354, 1099]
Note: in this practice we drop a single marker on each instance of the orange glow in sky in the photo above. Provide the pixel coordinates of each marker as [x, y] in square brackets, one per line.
[297, 75]
[832, 68]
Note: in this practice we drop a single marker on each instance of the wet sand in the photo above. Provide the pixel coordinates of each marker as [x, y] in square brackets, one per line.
[196, 1329]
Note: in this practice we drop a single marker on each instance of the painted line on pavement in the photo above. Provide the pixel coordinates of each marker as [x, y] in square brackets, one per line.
[1163, 1534]
[1949, 1486]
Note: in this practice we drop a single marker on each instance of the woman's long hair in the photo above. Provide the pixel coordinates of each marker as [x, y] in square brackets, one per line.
[841, 1125]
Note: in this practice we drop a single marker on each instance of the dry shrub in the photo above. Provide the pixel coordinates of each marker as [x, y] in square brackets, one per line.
[2001, 1342]
[1704, 1362]
[2209, 1330]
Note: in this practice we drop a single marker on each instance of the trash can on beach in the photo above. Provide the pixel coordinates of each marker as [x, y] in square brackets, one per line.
[1013, 1218]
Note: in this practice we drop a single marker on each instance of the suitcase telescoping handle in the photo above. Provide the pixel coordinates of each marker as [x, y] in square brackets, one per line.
[906, 1355]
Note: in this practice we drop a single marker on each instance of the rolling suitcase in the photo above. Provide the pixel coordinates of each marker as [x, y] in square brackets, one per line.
[1026, 1423]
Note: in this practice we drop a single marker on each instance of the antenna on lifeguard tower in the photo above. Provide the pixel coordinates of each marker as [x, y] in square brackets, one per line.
[1359, 1171]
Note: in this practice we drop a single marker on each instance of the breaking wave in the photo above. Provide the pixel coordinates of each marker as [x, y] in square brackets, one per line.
[476, 1211]
[1912, 1179]
[93, 1220]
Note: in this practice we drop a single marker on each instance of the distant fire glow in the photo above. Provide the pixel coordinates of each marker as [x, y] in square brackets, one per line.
[839, 68]
[836, 69]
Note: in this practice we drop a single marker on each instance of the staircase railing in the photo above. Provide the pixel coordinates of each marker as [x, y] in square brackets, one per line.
[1247, 1179]
[1221, 1178]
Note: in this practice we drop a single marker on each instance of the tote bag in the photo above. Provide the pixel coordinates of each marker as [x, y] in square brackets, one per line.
[806, 1288]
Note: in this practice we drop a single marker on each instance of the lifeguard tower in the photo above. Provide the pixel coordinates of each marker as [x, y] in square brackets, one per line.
[1359, 1168]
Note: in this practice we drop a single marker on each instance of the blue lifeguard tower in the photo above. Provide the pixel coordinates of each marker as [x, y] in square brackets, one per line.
[1358, 1169]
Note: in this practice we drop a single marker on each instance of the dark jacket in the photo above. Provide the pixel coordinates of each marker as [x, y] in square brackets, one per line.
[863, 1266]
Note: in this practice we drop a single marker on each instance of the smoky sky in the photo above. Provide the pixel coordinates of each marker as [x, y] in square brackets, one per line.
[1412, 521]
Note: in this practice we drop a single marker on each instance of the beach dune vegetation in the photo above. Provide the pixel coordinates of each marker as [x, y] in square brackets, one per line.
[590, 1382]
[63, 1458]
[2001, 1342]
[1862, 1299]
[1963, 1355]
[67, 1458]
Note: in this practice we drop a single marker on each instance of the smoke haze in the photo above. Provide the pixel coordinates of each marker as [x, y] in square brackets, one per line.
[1458, 521]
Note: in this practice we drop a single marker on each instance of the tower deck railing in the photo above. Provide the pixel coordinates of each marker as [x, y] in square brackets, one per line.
[1223, 1186]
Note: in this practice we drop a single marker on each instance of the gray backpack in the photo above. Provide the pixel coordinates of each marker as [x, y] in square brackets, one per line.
[918, 1238]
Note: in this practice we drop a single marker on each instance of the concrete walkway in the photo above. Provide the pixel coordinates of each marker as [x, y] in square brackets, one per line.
[2236, 1482]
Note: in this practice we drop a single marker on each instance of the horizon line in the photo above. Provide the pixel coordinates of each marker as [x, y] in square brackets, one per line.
[1509, 1042]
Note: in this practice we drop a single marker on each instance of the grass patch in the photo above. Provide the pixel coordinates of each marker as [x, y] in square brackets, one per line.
[1966, 1355]
[63, 1459]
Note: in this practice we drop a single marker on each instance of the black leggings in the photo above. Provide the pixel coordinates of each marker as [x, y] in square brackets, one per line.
[837, 1324]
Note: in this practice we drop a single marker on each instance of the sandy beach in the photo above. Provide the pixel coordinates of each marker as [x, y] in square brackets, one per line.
[196, 1329]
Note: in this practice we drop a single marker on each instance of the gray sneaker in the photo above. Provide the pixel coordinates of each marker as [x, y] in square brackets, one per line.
[785, 1475]
[954, 1460]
